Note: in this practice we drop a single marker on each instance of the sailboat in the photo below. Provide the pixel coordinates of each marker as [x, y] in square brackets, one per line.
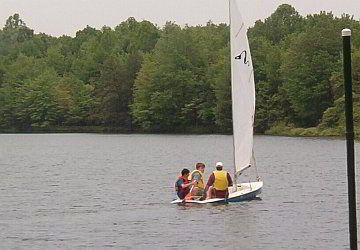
[243, 112]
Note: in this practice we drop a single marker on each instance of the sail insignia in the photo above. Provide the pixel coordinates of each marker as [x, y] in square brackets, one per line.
[246, 61]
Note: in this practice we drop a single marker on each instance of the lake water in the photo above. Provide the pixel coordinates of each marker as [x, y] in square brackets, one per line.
[88, 191]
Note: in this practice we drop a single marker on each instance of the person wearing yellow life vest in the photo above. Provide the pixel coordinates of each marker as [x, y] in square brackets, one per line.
[218, 183]
[197, 175]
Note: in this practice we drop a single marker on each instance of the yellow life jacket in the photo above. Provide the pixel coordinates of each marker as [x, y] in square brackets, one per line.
[221, 181]
[199, 184]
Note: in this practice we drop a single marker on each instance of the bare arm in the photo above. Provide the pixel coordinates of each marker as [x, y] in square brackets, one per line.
[230, 182]
[188, 185]
[209, 183]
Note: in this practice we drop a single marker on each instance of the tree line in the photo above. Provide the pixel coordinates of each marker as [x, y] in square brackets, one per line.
[138, 77]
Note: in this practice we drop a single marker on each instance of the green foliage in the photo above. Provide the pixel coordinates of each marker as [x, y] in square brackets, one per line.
[137, 36]
[333, 119]
[139, 77]
[307, 70]
[38, 103]
[271, 104]
[114, 88]
[173, 89]
[220, 77]
[15, 30]
[283, 22]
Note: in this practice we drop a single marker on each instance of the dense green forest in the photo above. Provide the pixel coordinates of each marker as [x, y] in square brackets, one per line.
[138, 77]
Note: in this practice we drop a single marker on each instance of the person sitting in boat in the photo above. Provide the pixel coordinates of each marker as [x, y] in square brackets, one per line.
[182, 184]
[218, 183]
[197, 175]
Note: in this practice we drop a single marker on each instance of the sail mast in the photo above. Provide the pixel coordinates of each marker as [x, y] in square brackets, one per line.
[232, 106]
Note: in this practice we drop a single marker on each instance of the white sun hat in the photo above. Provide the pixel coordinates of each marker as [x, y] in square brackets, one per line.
[219, 164]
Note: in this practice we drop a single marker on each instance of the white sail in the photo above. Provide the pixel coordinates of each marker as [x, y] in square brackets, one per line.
[243, 90]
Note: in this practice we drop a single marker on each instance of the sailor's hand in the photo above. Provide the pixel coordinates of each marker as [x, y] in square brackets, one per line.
[193, 182]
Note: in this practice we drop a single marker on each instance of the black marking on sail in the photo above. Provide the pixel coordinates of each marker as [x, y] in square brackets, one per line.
[243, 55]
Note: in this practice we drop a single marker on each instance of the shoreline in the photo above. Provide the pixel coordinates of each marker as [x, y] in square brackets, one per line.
[288, 132]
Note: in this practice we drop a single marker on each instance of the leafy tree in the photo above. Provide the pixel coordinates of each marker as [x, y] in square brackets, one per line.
[84, 66]
[55, 59]
[176, 93]
[15, 29]
[76, 101]
[115, 89]
[283, 22]
[137, 36]
[307, 68]
[13, 80]
[37, 46]
[220, 75]
[271, 103]
[38, 105]
[333, 119]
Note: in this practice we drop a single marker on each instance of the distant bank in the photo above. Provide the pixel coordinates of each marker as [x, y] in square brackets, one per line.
[277, 131]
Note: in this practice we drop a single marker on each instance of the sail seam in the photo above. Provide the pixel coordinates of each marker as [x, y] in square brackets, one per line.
[242, 26]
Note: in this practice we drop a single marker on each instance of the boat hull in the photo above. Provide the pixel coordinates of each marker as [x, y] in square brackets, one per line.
[245, 191]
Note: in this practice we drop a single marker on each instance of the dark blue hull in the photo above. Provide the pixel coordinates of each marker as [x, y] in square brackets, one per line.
[245, 197]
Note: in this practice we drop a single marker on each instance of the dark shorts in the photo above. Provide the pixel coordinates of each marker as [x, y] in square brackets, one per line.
[220, 193]
[182, 195]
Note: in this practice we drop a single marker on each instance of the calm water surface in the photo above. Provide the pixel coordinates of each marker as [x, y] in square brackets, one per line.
[86, 191]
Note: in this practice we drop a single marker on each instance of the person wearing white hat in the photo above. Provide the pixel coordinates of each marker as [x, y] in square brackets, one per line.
[218, 183]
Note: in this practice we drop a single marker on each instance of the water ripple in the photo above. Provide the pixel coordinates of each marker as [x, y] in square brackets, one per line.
[73, 191]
